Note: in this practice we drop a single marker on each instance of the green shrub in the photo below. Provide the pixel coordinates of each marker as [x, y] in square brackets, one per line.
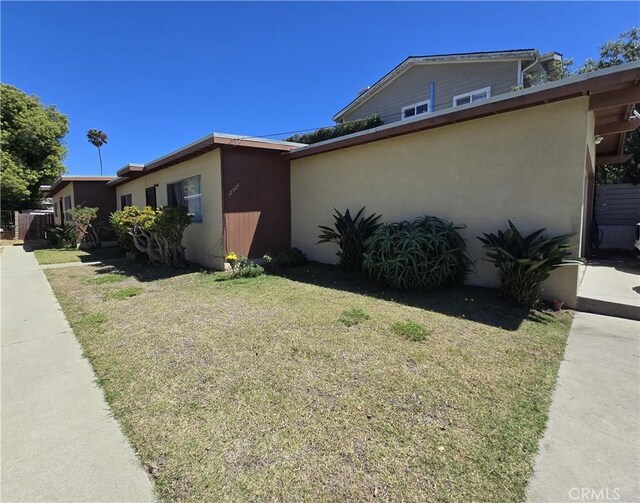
[125, 293]
[419, 255]
[83, 217]
[351, 235]
[525, 262]
[293, 257]
[328, 133]
[154, 232]
[245, 268]
[410, 330]
[352, 317]
[62, 236]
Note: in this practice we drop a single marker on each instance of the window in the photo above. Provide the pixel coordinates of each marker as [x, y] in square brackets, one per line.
[55, 210]
[67, 207]
[125, 200]
[415, 109]
[186, 193]
[465, 99]
[150, 197]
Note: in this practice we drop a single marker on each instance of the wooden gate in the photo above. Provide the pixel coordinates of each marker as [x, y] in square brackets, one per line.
[31, 226]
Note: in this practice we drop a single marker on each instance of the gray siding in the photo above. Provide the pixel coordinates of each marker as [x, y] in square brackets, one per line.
[451, 79]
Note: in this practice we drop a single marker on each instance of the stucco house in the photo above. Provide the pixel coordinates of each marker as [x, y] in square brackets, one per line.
[67, 192]
[427, 84]
[528, 156]
[236, 188]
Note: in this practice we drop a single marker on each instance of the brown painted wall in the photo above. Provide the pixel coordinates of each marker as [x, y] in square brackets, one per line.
[97, 194]
[256, 201]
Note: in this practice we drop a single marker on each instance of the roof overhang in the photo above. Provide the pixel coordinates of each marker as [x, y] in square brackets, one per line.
[612, 94]
[468, 57]
[198, 148]
[62, 181]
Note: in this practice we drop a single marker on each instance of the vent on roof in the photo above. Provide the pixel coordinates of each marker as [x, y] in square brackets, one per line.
[362, 91]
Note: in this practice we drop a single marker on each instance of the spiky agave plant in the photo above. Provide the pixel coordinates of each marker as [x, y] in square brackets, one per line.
[420, 255]
[525, 262]
[350, 234]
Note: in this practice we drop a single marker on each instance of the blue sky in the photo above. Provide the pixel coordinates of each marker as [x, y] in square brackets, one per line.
[158, 75]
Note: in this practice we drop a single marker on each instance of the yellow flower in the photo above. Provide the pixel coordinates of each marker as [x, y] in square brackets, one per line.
[231, 257]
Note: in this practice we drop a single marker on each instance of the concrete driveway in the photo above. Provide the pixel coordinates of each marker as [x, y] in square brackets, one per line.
[591, 449]
[59, 440]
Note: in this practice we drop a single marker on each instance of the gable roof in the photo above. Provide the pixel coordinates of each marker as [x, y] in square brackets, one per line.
[612, 94]
[463, 57]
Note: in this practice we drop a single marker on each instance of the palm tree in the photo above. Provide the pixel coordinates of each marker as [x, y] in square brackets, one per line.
[97, 138]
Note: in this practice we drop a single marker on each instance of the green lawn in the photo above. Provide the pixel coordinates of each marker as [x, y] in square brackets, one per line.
[317, 386]
[64, 255]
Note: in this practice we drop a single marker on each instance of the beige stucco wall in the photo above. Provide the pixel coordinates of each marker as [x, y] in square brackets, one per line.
[527, 166]
[66, 191]
[202, 240]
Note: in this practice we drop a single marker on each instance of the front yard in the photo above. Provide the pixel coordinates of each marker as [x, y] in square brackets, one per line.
[316, 386]
[48, 255]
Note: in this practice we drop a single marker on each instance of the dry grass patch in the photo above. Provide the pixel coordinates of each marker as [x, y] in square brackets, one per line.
[250, 390]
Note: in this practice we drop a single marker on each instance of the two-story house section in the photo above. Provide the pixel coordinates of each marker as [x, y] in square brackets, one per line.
[424, 84]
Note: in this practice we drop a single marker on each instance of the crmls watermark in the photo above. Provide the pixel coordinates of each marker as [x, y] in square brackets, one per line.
[594, 494]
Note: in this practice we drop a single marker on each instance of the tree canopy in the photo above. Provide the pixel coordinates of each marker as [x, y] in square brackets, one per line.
[32, 143]
[624, 49]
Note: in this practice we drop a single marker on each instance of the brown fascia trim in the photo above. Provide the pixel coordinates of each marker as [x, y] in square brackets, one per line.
[62, 182]
[584, 87]
[197, 149]
[129, 168]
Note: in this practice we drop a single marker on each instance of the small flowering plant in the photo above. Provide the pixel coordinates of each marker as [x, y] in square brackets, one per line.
[232, 260]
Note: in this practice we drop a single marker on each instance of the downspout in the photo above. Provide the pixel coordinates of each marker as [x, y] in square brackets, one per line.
[432, 97]
[535, 62]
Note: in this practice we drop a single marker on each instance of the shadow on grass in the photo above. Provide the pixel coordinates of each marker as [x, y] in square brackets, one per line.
[143, 271]
[478, 304]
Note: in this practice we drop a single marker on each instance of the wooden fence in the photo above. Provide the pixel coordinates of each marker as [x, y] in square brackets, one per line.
[32, 226]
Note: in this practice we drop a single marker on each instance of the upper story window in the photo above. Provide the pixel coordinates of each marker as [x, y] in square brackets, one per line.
[67, 207]
[465, 99]
[187, 193]
[415, 109]
[125, 200]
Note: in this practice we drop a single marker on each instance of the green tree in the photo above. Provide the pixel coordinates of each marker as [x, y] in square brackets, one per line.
[624, 49]
[97, 138]
[32, 145]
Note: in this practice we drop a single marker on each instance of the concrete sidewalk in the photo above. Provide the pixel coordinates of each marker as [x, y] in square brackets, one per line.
[59, 440]
[591, 449]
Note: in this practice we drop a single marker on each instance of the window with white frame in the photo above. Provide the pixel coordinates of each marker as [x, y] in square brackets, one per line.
[415, 109]
[466, 98]
[187, 193]
[67, 207]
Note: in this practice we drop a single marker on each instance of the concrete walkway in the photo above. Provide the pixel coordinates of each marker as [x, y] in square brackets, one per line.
[591, 449]
[59, 441]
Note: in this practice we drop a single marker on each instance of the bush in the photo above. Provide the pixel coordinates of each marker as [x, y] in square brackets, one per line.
[525, 262]
[82, 217]
[351, 236]
[156, 233]
[62, 236]
[242, 267]
[327, 133]
[293, 257]
[419, 255]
